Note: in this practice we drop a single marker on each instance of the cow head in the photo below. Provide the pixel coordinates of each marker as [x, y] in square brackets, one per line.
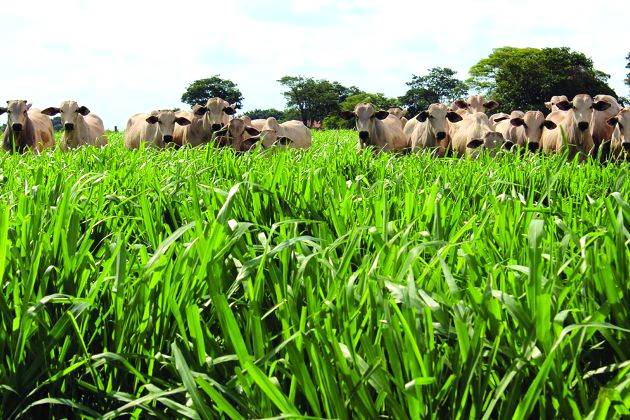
[70, 112]
[365, 116]
[475, 103]
[17, 114]
[437, 116]
[622, 122]
[217, 112]
[582, 108]
[533, 122]
[551, 105]
[165, 120]
[237, 135]
[397, 112]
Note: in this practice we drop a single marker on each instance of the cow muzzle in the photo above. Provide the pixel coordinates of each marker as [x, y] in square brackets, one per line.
[16, 127]
[217, 127]
[168, 138]
[441, 135]
[68, 126]
[583, 126]
[364, 135]
[533, 147]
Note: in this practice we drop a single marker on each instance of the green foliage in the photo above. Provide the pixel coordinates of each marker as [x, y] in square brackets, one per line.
[314, 99]
[439, 86]
[628, 67]
[199, 283]
[379, 101]
[525, 78]
[201, 90]
[261, 114]
[56, 122]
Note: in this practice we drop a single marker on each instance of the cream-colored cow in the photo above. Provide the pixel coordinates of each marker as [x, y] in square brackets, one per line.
[204, 121]
[573, 121]
[399, 113]
[525, 130]
[620, 143]
[474, 134]
[551, 104]
[155, 128]
[430, 129]
[600, 130]
[378, 130]
[497, 118]
[81, 127]
[238, 135]
[293, 134]
[475, 103]
[27, 128]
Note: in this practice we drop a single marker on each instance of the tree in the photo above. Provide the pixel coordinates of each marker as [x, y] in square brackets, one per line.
[314, 99]
[199, 91]
[524, 78]
[439, 86]
[263, 114]
[379, 101]
[56, 122]
[628, 67]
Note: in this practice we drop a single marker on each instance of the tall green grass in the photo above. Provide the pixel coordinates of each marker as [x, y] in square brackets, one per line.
[204, 284]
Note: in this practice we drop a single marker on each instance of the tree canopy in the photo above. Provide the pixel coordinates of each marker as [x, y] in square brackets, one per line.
[199, 91]
[261, 114]
[524, 78]
[379, 101]
[439, 86]
[628, 67]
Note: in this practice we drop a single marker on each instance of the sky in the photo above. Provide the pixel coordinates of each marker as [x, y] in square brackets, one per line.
[122, 57]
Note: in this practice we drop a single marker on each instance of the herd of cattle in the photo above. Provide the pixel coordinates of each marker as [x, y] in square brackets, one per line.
[582, 126]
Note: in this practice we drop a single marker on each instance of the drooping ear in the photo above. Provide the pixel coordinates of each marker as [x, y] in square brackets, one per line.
[28, 106]
[51, 111]
[490, 105]
[284, 141]
[564, 105]
[460, 103]
[549, 125]
[507, 145]
[182, 121]
[83, 110]
[601, 106]
[200, 110]
[381, 115]
[252, 131]
[422, 117]
[549, 105]
[612, 121]
[152, 119]
[229, 110]
[453, 117]
[498, 120]
[517, 122]
[346, 115]
[474, 143]
[221, 132]
[2, 110]
[249, 143]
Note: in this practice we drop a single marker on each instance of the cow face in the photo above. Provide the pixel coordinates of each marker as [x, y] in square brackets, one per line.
[217, 112]
[475, 103]
[70, 112]
[397, 112]
[552, 104]
[269, 134]
[165, 121]
[17, 114]
[491, 141]
[235, 134]
[533, 122]
[582, 107]
[365, 116]
[437, 116]
[622, 122]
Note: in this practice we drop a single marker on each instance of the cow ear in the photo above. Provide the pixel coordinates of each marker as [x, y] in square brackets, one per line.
[422, 117]
[83, 110]
[51, 111]
[252, 131]
[498, 120]
[490, 105]
[517, 122]
[601, 106]
[460, 103]
[200, 110]
[612, 121]
[152, 119]
[381, 115]
[2, 110]
[346, 115]
[182, 121]
[508, 145]
[221, 132]
[28, 106]
[453, 117]
[284, 141]
[549, 125]
[549, 105]
[229, 110]
[564, 105]
[474, 144]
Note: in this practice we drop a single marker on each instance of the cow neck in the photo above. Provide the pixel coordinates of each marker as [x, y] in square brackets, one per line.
[377, 136]
[575, 136]
[73, 138]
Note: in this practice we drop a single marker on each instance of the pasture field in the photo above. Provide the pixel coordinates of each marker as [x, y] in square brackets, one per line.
[325, 283]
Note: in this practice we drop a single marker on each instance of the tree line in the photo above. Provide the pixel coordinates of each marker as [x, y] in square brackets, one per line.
[517, 78]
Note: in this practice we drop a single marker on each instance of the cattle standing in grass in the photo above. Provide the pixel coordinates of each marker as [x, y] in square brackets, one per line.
[475, 103]
[497, 118]
[293, 134]
[525, 129]
[573, 121]
[475, 133]
[26, 128]
[551, 104]
[205, 119]
[378, 130]
[620, 143]
[430, 129]
[156, 128]
[81, 127]
[399, 113]
[600, 130]
[238, 135]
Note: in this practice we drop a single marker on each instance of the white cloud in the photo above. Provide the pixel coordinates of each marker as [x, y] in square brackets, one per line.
[120, 57]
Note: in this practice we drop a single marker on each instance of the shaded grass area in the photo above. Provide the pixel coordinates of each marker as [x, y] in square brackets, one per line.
[200, 283]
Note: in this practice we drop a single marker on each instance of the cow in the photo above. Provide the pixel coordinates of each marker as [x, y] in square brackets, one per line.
[573, 121]
[378, 130]
[475, 103]
[497, 118]
[238, 135]
[27, 128]
[218, 112]
[620, 143]
[155, 128]
[525, 129]
[399, 113]
[600, 130]
[81, 127]
[293, 134]
[475, 133]
[204, 120]
[551, 104]
[430, 129]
